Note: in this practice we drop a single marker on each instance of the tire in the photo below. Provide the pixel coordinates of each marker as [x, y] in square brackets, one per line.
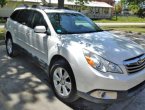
[65, 83]
[10, 48]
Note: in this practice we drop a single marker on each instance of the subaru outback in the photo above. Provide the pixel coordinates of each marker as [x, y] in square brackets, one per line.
[80, 58]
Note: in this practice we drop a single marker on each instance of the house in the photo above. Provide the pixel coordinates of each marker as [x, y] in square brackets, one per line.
[110, 2]
[93, 9]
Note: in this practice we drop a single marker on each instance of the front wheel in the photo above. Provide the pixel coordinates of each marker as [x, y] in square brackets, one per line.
[63, 81]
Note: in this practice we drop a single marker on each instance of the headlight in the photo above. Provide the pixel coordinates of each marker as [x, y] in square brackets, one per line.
[100, 63]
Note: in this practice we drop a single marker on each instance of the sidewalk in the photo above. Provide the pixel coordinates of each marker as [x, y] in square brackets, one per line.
[2, 25]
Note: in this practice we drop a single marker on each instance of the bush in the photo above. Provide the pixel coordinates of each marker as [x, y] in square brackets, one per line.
[141, 13]
[2, 34]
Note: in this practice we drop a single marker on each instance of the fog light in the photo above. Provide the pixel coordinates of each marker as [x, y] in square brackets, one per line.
[104, 94]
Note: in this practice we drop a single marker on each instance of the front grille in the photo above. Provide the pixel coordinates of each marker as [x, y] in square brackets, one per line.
[135, 64]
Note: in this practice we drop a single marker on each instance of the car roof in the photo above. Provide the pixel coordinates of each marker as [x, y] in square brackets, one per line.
[59, 11]
[47, 9]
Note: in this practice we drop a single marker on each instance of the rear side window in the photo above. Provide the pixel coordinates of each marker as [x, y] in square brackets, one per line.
[14, 15]
[25, 17]
[22, 17]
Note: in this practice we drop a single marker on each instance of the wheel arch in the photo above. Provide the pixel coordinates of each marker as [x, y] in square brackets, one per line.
[8, 35]
[59, 57]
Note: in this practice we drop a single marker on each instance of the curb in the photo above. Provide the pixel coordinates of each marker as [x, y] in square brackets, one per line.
[2, 42]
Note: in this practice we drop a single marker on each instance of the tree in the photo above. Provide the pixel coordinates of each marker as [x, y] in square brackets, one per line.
[133, 5]
[81, 4]
[118, 8]
[134, 8]
[137, 2]
[60, 3]
[2, 3]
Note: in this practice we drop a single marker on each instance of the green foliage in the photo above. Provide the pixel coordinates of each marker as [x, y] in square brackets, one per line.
[81, 2]
[123, 1]
[2, 32]
[141, 13]
[137, 2]
[133, 5]
[118, 7]
[3, 2]
[134, 8]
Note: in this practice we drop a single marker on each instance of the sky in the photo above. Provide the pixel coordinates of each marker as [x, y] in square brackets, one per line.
[117, 0]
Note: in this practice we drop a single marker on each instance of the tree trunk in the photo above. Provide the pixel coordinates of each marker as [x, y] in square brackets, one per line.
[60, 3]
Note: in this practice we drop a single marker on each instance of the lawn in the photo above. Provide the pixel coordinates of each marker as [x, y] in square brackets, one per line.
[126, 28]
[122, 19]
[2, 31]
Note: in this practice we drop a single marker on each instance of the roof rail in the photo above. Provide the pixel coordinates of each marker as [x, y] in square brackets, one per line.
[43, 7]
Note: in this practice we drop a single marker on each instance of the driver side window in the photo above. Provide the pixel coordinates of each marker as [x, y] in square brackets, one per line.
[39, 20]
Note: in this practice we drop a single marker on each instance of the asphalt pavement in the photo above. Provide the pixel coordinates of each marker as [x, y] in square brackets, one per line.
[24, 86]
[121, 24]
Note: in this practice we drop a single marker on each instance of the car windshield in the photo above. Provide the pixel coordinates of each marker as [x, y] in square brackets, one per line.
[72, 23]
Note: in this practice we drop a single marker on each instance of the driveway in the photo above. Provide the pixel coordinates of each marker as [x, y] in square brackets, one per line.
[24, 86]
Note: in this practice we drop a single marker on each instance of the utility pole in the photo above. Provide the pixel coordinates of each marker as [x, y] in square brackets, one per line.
[60, 4]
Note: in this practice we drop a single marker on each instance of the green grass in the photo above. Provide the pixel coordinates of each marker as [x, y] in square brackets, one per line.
[121, 19]
[2, 20]
[126, 28]
[2, 34]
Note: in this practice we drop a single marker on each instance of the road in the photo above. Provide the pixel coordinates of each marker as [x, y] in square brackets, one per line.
[24, 86]
[121, 24]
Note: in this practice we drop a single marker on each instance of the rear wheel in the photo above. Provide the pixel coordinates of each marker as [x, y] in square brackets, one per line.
[63, 81]
[10, 47]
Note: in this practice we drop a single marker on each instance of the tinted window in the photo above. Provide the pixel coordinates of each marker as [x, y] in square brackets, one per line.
[14, 15]
[39, 20]
[29, 18]
[23, 15]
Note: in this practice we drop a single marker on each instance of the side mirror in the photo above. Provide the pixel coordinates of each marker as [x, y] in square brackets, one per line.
[40, 29]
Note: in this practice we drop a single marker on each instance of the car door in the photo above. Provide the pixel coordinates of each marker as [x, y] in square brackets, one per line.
[38, 42]
[22, 28]
[12, 25]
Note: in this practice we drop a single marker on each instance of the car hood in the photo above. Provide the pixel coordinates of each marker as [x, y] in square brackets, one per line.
[109, 46]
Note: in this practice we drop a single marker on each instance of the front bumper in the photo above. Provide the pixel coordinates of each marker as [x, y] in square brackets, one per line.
[121, 95]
